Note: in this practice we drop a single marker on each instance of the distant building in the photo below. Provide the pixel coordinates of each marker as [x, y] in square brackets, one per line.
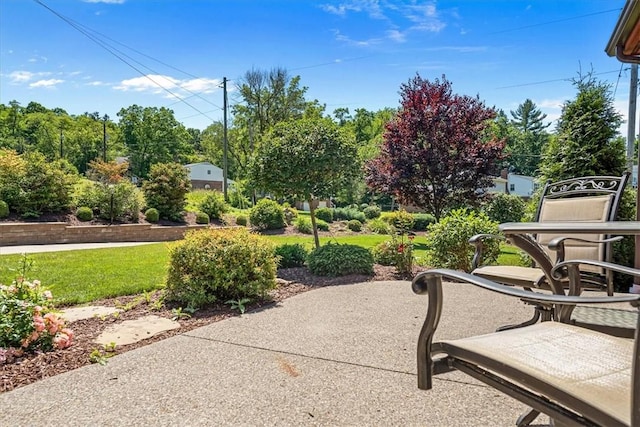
[206, 176]
[521, 185]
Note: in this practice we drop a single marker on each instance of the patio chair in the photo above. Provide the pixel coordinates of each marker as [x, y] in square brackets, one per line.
[590, 198]
[576, 376]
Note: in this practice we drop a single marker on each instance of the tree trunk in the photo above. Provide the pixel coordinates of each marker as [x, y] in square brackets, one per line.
[312, 213]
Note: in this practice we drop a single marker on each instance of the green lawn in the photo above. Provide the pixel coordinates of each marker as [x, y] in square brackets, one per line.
[82, 276]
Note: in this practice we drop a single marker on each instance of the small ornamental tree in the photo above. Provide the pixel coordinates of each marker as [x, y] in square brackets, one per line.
[306, 159]
[437, 152]
[166, 189]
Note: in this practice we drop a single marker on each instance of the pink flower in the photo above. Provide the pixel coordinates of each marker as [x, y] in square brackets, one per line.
[38, 323]
[62, 341]
[400, 249]
[53, 323]
[47, 294]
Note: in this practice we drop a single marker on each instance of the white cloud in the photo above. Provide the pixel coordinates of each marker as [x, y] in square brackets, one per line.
[551, 103]
[157, 84]
[96, 83]
[46, 83]
[21, 76]
[362, 43]
[401, 17]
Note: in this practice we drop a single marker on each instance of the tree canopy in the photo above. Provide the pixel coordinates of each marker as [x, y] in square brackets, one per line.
[437, 152]
[307, 159]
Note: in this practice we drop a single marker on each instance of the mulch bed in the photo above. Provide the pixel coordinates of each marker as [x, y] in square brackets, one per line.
[31, 368]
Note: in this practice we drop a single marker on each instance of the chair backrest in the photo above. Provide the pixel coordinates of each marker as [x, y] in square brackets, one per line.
[589, 198]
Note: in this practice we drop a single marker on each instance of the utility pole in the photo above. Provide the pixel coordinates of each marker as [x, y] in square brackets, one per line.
[61, 140]
[225, 142]
[631, 129]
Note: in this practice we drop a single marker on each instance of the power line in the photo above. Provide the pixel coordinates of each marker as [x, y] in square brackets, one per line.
[113, 51]
[551, 81]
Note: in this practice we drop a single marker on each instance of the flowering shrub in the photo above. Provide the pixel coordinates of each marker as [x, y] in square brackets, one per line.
[397, 252]
[27, 322]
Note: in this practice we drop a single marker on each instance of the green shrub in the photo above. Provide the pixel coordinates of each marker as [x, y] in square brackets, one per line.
[505, 208]
[12, 168]
[166, 190]
[371, 212]
[113, 202]
[291, 255]
[448, 240]
[214, 205]
[241, 220]
[84, 213]
[347, 214]
[624, 250]
[202, 218]
[322, 225]
[4, 209]
[325, 214]
[339, 260]
[220, 264]
[422, 220]
[45, 187]
[379, 226]
[267, 215]
[354, 225]
[303, 225]
[152, 215]
[401, 220]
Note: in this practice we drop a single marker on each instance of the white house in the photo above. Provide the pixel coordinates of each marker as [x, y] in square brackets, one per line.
[521, 185]
[205, 175]
[499, 185]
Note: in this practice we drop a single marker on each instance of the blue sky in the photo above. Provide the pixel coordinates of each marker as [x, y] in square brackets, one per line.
[103, 55]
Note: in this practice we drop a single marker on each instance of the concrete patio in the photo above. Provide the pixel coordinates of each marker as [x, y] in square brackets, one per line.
[342, 355]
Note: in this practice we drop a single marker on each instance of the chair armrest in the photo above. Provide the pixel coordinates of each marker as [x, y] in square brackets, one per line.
[560, 269]
[477, 241]
[557, 244]
[420, 285]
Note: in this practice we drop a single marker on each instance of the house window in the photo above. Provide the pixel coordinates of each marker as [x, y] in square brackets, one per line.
[536, 186]
[512, 187]
[208, 171]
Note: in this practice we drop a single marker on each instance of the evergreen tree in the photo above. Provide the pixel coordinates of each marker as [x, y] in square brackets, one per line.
[587, 141]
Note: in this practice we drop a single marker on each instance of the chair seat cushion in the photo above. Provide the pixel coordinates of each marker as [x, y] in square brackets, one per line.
[564, 362]
[512, 275]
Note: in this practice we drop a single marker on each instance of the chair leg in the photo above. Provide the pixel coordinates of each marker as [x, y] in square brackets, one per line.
[527, 418]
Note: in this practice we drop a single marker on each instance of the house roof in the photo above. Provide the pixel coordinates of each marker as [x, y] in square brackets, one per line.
[624, 43]
[201, 164]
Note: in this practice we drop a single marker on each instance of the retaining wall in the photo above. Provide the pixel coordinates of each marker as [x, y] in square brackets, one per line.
[46, 233]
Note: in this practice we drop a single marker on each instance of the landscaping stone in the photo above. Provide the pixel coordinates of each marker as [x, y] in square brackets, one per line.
[79, 313]
[131, 331]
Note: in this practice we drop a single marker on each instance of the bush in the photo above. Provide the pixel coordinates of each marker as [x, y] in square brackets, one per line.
[4, 209]
[220, 264]
[29, 322]
[152, 215]
[325, 214]
[291, 255]
[371, 212]
[241, 220]
[401, 220]
[84, 213]
[422, 220]
[12, 168]
[354, 225]
[339, 260]
[214, 205]
[505, 208]
[347, 214]
[322, 225]
[202, 218]
[397, 252]
[379, 226]
[166, 190]
[267, 215]
[113, 202]
[45, 187]
[448, 240]
[303, 225]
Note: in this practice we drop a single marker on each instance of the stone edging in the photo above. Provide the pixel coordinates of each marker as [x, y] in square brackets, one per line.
[47, 233]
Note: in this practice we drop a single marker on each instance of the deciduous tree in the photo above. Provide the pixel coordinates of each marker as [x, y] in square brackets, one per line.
[437, 152]
[306, 159]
